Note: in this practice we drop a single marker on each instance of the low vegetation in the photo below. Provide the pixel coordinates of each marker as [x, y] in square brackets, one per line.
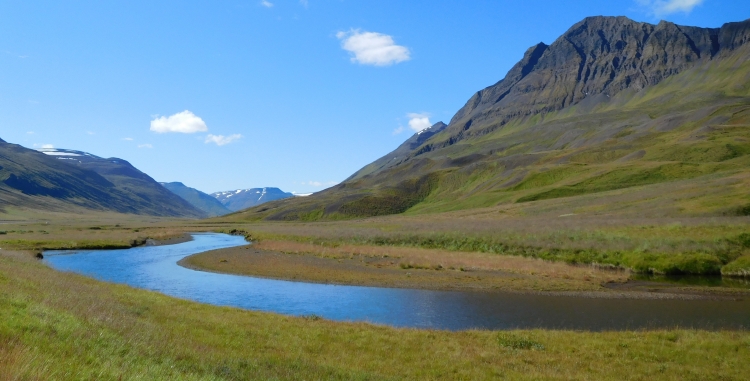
[697, 246]
[402, 267]
[64, 326]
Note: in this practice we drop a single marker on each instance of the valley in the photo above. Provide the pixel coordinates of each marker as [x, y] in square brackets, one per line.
[585, 217]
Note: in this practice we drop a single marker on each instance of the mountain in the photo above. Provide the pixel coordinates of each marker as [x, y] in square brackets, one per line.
[202, 201]
[613, 115]
[246, 198]
[596, 59]
[401, 153]
[66, 180]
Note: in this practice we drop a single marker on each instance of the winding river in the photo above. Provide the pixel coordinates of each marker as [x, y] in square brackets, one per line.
[155, 268]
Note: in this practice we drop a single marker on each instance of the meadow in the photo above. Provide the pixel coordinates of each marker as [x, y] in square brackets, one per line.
[63, 326]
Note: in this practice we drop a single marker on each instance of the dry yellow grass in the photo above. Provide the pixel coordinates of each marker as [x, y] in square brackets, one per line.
[402, 267]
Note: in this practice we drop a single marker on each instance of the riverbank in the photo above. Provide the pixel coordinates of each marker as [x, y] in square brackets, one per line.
[402, 267]
[170, 240]
[56, 325]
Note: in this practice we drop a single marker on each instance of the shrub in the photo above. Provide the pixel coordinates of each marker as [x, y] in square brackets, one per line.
[693, 264]
[740, 267]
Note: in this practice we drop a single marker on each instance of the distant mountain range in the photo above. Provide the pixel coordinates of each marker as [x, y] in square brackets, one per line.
[66, 180]
[611, 105]
[240, 199]
[208, 204]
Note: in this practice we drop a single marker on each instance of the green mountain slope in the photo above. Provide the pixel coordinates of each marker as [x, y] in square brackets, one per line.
[612, 110]
[210, 205]
[62, 180]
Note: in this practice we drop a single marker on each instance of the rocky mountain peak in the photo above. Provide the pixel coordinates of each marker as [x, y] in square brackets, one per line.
[594, 60]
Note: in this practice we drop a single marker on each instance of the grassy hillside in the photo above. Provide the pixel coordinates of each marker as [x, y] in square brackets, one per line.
[75, 181]
[689, 131]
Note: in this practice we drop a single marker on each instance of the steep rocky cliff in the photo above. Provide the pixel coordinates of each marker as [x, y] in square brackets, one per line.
[595, 59]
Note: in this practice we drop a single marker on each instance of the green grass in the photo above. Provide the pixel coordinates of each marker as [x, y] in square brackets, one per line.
[67, 327]
[514, 341]
[623, 178]
[739, 267]
[667, 249]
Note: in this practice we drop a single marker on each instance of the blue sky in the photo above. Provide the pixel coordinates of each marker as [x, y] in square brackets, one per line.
[229, 94]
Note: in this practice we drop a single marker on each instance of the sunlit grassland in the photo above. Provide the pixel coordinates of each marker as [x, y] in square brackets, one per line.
[403, 267]
[35, 231]
[63, 326]
[696, 245]
[661, 246]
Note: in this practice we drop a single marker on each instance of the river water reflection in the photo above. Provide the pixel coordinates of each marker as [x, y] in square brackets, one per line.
[155, 268]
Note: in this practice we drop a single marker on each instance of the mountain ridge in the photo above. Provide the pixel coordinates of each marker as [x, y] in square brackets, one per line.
[610, 88]
[200, 200]
[239, 199]
[70, 180]
[401, 153]
[642, 47]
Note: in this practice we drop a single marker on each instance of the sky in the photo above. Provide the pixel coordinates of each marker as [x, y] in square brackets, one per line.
[295, 94]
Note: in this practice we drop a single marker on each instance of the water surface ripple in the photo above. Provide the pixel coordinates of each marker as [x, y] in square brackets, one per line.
[155, 268]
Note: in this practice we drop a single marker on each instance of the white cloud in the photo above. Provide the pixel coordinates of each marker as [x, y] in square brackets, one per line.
[30, 133]
[370, 48]
[21, 56]
[221, 140]
[145, 146]
[47, 146]
[304, 3]
[399, 130]
[183, 122]
[91, 132]
[128, 139]
[266, 3]
[419, 122]
[666, 7]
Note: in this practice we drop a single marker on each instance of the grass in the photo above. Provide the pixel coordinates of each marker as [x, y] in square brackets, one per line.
[514, 341]
[687, 246]
[64, 326]
[403, 267]
[740, 267]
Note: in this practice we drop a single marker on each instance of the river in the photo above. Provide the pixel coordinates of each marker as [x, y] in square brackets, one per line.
[155, 268]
